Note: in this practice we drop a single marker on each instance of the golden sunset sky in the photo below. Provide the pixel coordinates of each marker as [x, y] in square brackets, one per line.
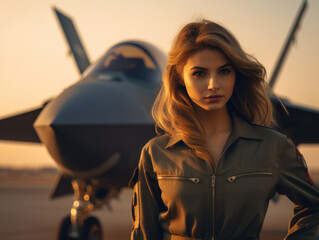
[35, 65]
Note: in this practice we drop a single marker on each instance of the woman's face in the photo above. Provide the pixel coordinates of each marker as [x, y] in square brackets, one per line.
[209, 79]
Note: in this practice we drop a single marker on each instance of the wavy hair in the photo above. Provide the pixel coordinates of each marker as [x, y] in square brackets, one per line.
[173, 110]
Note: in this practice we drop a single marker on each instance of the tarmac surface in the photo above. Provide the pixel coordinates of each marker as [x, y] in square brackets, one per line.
[26, 212]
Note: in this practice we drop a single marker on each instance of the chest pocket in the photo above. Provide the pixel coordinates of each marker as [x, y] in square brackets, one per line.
[180, 192]
[250, 174]
[259, 184]
[178, 178]
[175, 187]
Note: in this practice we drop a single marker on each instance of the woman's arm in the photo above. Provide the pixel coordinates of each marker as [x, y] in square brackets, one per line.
[294, 181]
[145, 202]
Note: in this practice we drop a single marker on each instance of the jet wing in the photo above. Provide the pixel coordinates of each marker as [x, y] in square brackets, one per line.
[301, 124]
[20, 127]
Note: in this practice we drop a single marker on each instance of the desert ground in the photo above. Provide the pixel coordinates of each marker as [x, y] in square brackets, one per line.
[26, 212]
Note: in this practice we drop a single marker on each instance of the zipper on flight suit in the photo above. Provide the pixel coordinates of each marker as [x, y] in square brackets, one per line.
[213, 183]
[213, 195]
[191, 179]
[233, 178]
[213, 186]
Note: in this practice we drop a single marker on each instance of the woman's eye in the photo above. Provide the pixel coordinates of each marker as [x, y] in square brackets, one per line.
[198, 74]
[224, 71]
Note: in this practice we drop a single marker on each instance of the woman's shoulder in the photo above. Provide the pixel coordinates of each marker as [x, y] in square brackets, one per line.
[274, 141]
[153, 149]
[245, 128]
[270, 133]
[159, 141]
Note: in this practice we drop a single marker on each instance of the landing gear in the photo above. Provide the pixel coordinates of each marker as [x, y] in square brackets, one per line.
[90, 230]
[78, 226]
[64, 231]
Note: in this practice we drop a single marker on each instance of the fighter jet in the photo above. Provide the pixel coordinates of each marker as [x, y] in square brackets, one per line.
[94, 129]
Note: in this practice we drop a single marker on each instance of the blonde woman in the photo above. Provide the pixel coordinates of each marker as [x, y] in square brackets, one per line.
[216, 165]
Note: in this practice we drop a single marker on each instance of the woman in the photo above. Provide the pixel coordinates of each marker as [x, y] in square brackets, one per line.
[217, 165]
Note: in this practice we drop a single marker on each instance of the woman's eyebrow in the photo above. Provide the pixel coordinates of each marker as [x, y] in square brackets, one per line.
[225, 65]
[202, 68]
[198, 68]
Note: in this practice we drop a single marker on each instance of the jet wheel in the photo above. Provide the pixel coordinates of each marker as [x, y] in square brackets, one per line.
[64, 229]
[91, 229]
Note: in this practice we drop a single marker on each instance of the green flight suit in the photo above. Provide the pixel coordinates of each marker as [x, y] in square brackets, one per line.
[177, 195]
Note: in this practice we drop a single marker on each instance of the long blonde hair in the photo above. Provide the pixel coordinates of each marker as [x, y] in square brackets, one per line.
[173, 110]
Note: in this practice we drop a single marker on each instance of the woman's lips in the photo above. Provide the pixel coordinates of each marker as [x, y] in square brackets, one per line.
[213, 98]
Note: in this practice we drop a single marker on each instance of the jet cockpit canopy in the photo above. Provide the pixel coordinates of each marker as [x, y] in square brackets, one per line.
[136, 59]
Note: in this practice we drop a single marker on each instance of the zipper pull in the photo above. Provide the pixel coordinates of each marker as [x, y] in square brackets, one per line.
[213, 181]
[194, 180]
[231, 179]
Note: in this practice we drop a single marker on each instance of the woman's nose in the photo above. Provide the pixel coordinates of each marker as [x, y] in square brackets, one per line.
[212, 84]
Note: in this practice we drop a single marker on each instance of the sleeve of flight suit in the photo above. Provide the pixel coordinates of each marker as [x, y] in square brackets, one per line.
[295, 183]
[145, 202]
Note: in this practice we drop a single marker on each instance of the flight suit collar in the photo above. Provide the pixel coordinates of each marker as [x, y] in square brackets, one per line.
[175, 138]
[241, 129]
[244, 129]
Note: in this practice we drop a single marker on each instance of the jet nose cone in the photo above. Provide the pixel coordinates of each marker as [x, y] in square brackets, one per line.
[82, 127]
[99, 103]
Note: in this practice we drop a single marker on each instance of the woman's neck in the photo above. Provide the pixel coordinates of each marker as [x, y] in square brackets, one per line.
[215, 122]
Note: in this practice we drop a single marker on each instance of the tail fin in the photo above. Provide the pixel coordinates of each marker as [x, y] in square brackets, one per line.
[290, 39]
[74, 41]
